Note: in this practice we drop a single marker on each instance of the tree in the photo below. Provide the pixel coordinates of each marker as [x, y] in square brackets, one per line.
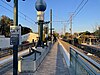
[5, 25]
[56, 34]
[6, 22]
[97, 32]
[25, 30]
[67, 34]
[87, 33]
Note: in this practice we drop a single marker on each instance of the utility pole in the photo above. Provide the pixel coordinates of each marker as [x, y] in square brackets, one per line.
[15, 47]
[14, 38]
[71, 25]
[64, 29]
[51, 23]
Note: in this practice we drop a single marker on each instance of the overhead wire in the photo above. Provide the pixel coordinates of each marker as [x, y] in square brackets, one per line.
[81, 8]
[6, 8]
[78, 9]
[19, 12]
[18, 15]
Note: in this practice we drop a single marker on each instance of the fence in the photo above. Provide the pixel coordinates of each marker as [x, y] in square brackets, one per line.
[80, 64]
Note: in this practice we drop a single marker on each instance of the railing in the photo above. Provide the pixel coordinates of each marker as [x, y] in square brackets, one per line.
[83, 65]
[27, 65]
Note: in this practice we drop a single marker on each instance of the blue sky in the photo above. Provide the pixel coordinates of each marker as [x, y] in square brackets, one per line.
[86, 20]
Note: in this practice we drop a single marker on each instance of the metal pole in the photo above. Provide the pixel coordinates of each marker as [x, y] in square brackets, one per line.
[15, 47]
[71, 25]
[51, 23]
[15, 12]
[41, 31]
[15, 60]
[64, 29]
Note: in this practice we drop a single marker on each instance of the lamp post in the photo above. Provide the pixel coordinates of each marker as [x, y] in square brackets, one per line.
[40, 6]
[15, 46]
[51, 24]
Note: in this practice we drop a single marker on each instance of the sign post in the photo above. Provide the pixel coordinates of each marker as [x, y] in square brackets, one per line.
[15, 38]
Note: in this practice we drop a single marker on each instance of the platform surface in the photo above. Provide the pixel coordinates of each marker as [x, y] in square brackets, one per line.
[53, 64]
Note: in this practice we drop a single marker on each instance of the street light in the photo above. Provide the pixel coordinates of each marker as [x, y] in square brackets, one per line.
[15, 46]
[40, 6]
[8, 0]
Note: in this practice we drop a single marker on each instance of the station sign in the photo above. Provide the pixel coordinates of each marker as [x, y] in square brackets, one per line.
[15, 35]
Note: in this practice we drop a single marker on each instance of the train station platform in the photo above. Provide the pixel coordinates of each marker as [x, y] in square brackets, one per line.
[62, 59]
[53, 63]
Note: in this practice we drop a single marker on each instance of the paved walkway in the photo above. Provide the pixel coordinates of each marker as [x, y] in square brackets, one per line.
[53, 64]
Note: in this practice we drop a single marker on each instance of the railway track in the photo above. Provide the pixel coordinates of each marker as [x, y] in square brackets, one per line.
[6, 64]
[88, 49]
[95, 54]
[9, 51]
[6, 67]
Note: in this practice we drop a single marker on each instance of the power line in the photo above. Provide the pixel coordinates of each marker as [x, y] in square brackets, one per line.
[57, 20]
[26, 16]
[60, 21]
[81, 8]
[18, 11]
[18, 15]
[7, 3]
[7, 9]
[77, 10]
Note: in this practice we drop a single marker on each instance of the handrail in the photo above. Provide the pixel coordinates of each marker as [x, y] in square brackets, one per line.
[95, 64]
